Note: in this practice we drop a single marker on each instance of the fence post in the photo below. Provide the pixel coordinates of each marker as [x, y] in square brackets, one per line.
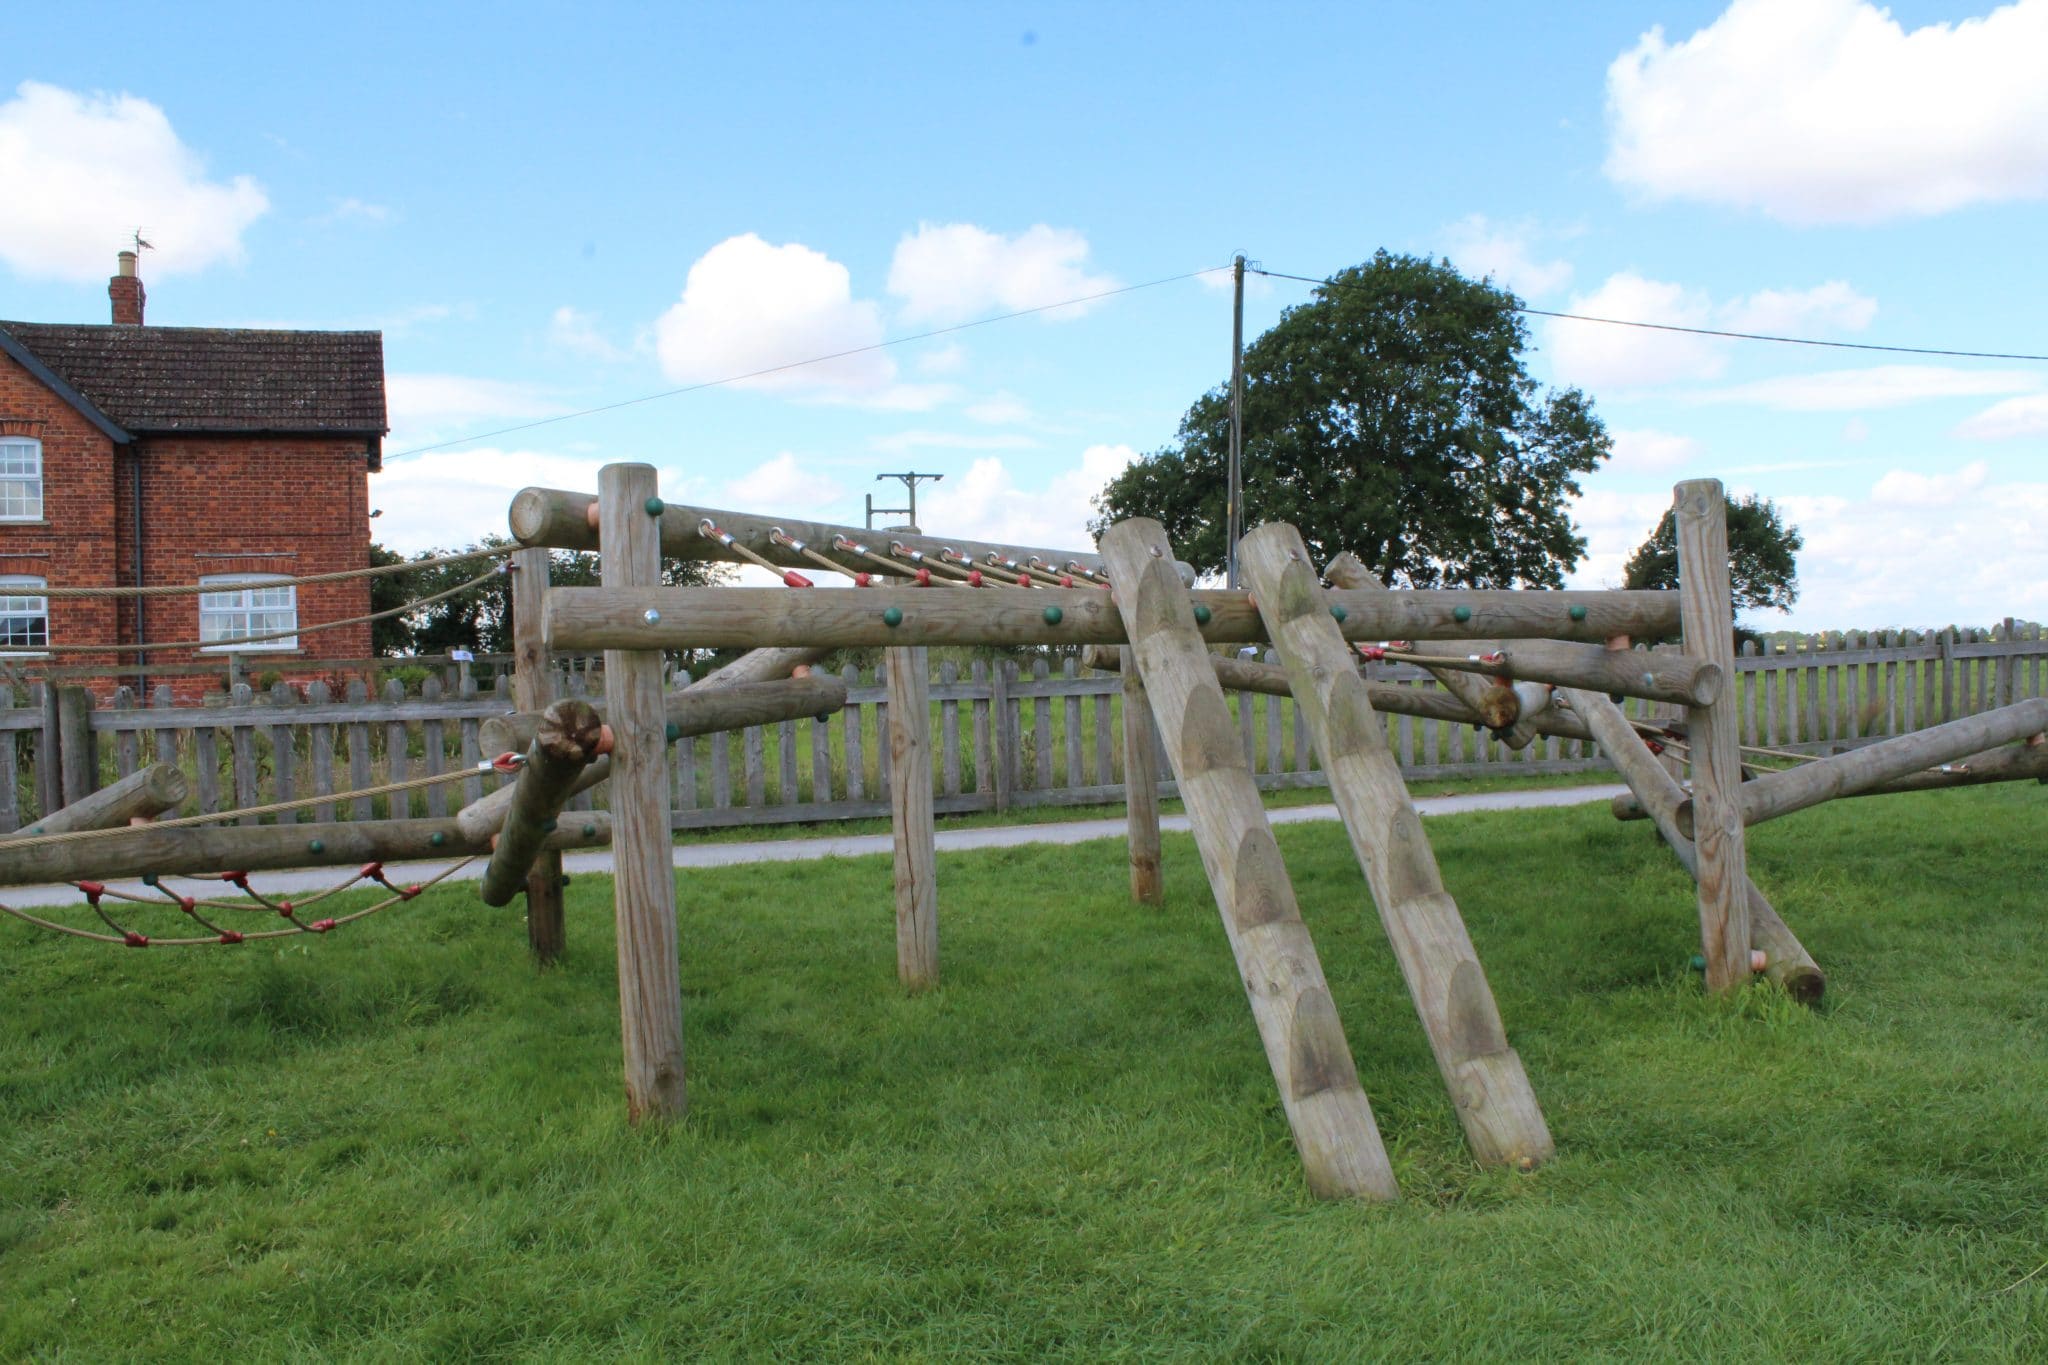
[910, 810]
[1003, 748]
[49, 763]
[1706, 607]
[2008, 664]
[533, 689]
[77, 748]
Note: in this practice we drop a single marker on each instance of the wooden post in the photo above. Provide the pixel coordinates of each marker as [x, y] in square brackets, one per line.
[1141, 787]
[910, 812]
[1003, 742]
[1786, 960]
[1326, 1108]
[533, 689]
[49, 750]
[650, 982]
[569, 739]
[142, 795]
[77, 748]
[1707, 606]
[1495, 1102]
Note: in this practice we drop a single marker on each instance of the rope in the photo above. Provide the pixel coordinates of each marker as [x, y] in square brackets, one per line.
[294, 632]
[193, 589]
[790, 577]
[970, 578]
[861, 578]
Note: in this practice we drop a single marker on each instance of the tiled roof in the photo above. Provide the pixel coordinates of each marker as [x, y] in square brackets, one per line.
[161, 379]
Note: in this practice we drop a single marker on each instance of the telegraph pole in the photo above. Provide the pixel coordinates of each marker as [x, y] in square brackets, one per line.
[1233, 495]
[909, 479]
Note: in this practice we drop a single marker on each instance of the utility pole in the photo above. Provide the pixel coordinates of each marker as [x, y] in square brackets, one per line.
[1233, 495]
[909, 479]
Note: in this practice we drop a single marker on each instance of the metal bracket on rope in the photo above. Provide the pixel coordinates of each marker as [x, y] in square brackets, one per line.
[948, 555]
[790, 577]
[507, 762]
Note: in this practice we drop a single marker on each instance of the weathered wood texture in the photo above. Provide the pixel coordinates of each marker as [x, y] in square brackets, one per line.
[1487, 1082]
[1713, 734]
[644, 886]
[1141, 787]
[1326, 1107]
[78, 751]
[718, 618]
[1786, 960]
[703, 707]
[533, 691]
[910, 803]
[570, 736]
[141, 795]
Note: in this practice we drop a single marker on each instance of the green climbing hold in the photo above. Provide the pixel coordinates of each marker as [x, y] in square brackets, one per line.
[892, 617]
[549, 827]
[1053, 616]
[673, 731]
[1338, 611]
[149, 879]
[590, 831]
[1578, 613]
[1202, 615]
[315, 846]
[1461, 613]
[437, 839]
[1699, 962]
[653, 506]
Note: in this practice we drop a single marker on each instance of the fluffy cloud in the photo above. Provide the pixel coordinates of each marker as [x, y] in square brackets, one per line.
[2004, 421]
[985, 503]
[420, 403]
[1598, 356]
[955, 271]
[454, 497]
[84, 171]
[748, 306]
[576, 331]
[1830, 111]
[1876, 386]
[1651, 452]
[1479, 246]
[904, 441]
[782, 486]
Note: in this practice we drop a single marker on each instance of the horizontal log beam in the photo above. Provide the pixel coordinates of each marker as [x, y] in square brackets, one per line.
[699, 710]
[260, 848]
[1668, 677]
[716, 618]
[141, 795]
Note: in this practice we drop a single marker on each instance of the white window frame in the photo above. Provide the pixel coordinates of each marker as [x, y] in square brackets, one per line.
[234, 605]
[30, 608]
[21, 488]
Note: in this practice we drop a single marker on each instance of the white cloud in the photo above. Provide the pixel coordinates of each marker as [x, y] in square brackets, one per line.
[1878, 386]
[904, 441]
[999, 409]
[955, 271]
[985, 503]
[948, 359]
[574, 330]
[1613, 524]
[1479, 246]
[1600, 356]
[748, 306]
[85, 171]
[424, 401]
[1830, 111]
[352, 207]
[1908, 488]
[782, 485]
[2027, 416]
[1651, 452]
[454, 497]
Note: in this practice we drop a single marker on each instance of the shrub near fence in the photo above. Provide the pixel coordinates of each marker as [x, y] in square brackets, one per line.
[1004, 736]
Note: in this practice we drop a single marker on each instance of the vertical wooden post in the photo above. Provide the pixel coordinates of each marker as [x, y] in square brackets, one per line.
[1495, 1102]
[1326, 1108]
[49, 751]
[533, 689]
[650, 985]
[1141, 786]
[78, 751]
[1706, 608]
[1003, 750]
[910, 818]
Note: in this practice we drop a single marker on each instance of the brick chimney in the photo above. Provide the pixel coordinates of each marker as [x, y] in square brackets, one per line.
[125, 289]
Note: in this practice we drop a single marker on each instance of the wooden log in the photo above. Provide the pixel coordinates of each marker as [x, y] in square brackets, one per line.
[143, 849]
[650, 983]
[1709, 619]
[1488, 1085]
[673, 618]
[142, 795]
[1141, 787]
[700, 709]
[78, 752]
[1786, 960]
[1326, 1107]
[569, 739]
[2010, 763]
[533, 691]
[910, 819]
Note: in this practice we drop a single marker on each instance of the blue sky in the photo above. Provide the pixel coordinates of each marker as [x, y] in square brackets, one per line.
[548, 208]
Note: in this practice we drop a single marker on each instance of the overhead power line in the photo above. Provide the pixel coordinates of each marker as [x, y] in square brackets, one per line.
[1710, 331]
[811, 360]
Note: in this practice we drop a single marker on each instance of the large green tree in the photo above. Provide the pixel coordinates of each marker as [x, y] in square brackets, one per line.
[1763, 552]
[1392, 416]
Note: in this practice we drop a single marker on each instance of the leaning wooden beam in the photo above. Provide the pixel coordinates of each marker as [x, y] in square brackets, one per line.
[1489, 1088]
[1290, 1001]
[1786, 960]
[571, 737]
[1248, 675]
[2025, 762]
[913, 838]
[187, 849]
[533, 690]
[703, 709]
[717, 618]
[1708, 607]
[141, 795]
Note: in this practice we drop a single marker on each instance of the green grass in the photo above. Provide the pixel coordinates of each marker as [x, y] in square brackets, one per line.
[403, 1143]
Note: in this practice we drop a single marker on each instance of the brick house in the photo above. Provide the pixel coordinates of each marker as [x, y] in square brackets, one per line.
[166, 455]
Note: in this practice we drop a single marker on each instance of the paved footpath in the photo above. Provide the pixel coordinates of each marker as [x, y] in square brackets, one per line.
[862, 845]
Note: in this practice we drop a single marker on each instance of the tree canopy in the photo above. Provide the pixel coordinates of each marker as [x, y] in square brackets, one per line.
[1392, 416]
[1762, 553]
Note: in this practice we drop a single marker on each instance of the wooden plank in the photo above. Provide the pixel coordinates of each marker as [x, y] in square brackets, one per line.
[49, 750]
[856, 761]
[1041, 727]
[283, 751]
[434, 748]
[127, 745]
[785, 766]
[1705, 595]
[10, 771]
[1326, 1108]
[1003, 731]
[882, 774]
[165, 741]
[650, 985]
[984, 767]
[1141, 788]
[206, 767]
[910, 810]
[242, 738]
[821, 754]
[1487, 1083]
[358, 751]
[1072, 716]
[320, 748]
[77, 748]
[397, 752]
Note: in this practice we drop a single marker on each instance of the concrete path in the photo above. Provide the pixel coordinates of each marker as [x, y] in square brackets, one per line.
[862, 845]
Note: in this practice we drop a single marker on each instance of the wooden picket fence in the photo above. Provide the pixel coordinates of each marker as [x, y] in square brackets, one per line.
[1004, 736]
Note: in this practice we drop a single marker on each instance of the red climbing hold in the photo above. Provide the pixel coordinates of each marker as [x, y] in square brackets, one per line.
[285, 908]
[135, 940]
[508, 762]
[371, 872]
[1374, 653]
[974, 578]
[924, 578]
[187, 904]
[793, 579]
[1066, 580]
[230, 936]
[321, 926]
[93, 891]
[409, 892]
[861, 580]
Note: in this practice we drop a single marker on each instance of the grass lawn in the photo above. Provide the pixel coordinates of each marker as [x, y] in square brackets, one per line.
[403, 1143]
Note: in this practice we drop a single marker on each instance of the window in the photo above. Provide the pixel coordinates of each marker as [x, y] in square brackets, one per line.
[244, 605]
[21, 479]
[24, 616]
